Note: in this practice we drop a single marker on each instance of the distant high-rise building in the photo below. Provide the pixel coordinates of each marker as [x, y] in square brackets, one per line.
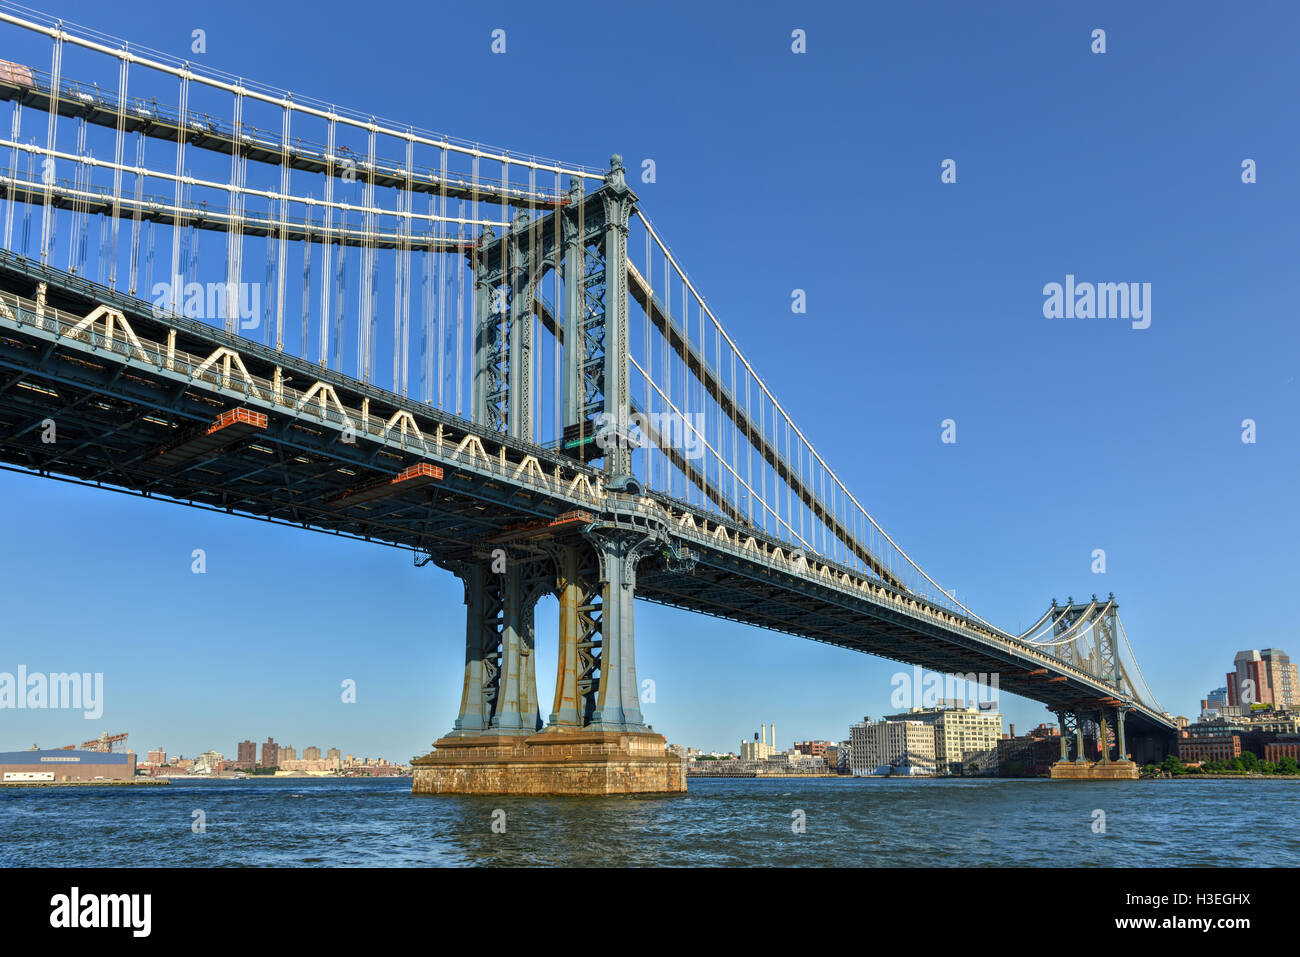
[311, 754]
[270, 754]
[247, 752]
[1282, 683]
[1214, 704]
[333, 754]
[157, 756]
[1263, 678]
[288, 752]
[1248, 681]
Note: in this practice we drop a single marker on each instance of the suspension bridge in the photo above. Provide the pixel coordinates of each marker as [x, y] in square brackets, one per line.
[320, 318]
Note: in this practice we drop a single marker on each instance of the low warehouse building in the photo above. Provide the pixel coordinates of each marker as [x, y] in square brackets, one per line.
[20, 766]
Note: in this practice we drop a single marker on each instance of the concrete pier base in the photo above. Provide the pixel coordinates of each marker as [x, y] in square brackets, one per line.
[551, 762]
[1094, 771]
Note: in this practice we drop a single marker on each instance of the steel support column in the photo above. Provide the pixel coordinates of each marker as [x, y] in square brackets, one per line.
[618, 705]
[482, 649]
[578, 629]
[516, 710]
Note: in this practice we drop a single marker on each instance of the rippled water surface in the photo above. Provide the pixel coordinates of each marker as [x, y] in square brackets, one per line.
[849, 822]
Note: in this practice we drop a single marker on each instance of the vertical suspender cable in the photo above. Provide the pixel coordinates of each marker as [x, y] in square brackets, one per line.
[135, 214]
[119, 145]
[326, 246]
[459, 264]
[439, 260]
[647, 462]
[76, 243]
[306, 285]
[178, 223]
[281, 251]
[15, 134]
[47, 165]
[235, 223]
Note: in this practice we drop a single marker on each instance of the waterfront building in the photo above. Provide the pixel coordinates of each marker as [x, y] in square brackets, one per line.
[156, 756]
[311, 754]
[288, 752]
[814, 749]
[334, 755]
[270, 754]
[1253, 735]
[247, 754]
[1030, 755]
[209, 761]
[1222, 747]
[758, 749]
[892, 747]
[1285, 746]
[965, 739]
[309, 765]
[21, 766]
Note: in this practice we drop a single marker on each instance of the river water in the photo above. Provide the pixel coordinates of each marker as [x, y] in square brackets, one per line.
[746, 822]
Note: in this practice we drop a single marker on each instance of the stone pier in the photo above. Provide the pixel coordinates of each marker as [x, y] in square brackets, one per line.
[1094, 771]
[589, 763]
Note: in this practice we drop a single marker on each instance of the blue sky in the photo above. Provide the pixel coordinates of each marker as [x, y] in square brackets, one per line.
[778, 171]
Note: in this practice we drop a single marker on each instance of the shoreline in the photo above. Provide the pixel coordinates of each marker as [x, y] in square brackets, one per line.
[1222, 777]
[82, 784]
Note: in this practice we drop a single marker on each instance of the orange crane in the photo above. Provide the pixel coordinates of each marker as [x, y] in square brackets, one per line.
[105, 742]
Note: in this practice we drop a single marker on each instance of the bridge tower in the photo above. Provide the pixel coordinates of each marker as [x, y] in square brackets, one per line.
[596, 739]
[1085, 636]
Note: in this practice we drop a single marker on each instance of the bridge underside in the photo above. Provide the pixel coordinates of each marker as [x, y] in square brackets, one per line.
[722, 587]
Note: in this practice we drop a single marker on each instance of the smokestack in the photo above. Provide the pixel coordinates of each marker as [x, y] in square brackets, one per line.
[1013, 730]
[773, 736]
[764, 727]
